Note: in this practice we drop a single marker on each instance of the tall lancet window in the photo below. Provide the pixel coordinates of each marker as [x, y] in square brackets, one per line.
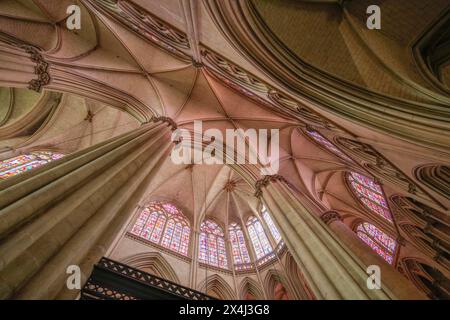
[379, 241]
[164, 224]
[370, 194]
[258, 237]
[25, 162]
[238, 246]
[272, 227]
[320, 139]
[212, 245]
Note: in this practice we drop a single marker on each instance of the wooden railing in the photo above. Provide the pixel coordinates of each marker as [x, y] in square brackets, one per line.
[112, 280]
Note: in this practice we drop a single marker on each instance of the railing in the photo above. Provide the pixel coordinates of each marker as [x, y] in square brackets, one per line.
[123, 283]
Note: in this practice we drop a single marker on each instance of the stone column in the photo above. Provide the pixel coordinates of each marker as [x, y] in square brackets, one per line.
[328, 266]
[22, 66]
[194, 262]
[68, 211]
[390, 277]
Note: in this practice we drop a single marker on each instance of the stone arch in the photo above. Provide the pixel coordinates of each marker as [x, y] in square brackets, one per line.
[430, 280]
[249, 288]
[154, 263]
[217, 287]
[425, 227]
[436, 177]
[298, 279]
[276, 286]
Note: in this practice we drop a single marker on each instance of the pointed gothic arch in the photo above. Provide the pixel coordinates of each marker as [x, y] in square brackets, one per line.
[430, 280]
[296, 276]
[154, 263]
[215, 286]
[276, 286]
[436, 177]
[249, 288]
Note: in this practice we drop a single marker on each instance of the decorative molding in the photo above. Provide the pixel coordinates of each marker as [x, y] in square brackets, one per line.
[330, 216]
[138, 276]
[41, 68]
[262, 92]
[436, 177]
[254, 40]
[146, 25]
[167, 120]
[417, 271]
[261, 183]
[378, 166]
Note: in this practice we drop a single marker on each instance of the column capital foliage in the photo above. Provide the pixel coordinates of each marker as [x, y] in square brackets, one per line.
[41, 68]
[165, 119]
[263, 182]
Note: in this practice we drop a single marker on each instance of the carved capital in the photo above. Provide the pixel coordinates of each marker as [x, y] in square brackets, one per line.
[330, 216]
[261, 183]
[41, 69]
[167, 120]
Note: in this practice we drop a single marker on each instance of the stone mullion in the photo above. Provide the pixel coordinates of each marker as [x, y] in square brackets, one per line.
[228, 247]
[252, 254]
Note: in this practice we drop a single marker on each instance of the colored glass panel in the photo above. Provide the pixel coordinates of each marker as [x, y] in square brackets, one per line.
[370, 194]
[163, 224]
[26, 162]
[212, 245]
[327, 144]
[238, 246]
[379, 241]
[258, 238]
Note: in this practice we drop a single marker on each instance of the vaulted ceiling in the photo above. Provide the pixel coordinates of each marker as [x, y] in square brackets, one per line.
[257, 64]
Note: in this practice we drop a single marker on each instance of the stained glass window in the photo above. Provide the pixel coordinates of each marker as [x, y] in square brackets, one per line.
[238, 246]
[163, 224]
[258, 237]
[379, 241]
[327, 144]
[370, 194]
[25, 162]
[212, 245]
[273, 229]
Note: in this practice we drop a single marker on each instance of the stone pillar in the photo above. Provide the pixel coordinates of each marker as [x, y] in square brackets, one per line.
[22, 66]
[68, 211]
[328, 266]
[194, 262]
[390, 277]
